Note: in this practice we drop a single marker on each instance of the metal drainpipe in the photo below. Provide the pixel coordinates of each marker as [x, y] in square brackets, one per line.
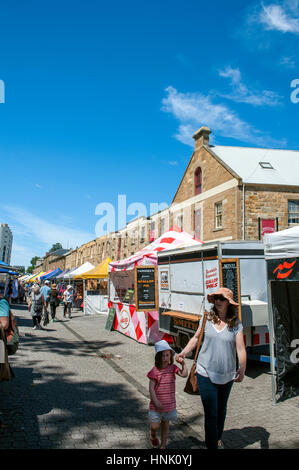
[243, 203]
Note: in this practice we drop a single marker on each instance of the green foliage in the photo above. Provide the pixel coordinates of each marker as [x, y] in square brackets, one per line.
[56, 246]
[34, 260]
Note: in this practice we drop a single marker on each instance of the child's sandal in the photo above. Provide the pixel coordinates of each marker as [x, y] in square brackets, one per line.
[155, 442]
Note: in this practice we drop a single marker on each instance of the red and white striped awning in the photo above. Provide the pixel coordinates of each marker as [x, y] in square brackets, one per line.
[174, 238]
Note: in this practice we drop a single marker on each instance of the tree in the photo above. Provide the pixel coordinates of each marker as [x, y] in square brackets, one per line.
[56, 246]
[30, 269]
[34, 260]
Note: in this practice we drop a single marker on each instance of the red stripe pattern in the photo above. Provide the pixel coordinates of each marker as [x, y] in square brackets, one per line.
[165, 387]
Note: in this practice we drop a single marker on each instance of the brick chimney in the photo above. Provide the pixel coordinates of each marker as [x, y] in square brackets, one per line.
[201, 137]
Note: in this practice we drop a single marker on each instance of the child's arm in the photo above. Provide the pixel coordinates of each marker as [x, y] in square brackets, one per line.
[184, 370]
[153, 396]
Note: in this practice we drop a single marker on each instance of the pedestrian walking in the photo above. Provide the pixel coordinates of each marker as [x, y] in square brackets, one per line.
[67, 300]
[162, 407]
[54, 301]
[21, 293]
[45, 291]
[216, 362]
[35, 306]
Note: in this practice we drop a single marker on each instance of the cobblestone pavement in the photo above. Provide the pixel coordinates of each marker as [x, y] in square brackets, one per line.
[80, 386]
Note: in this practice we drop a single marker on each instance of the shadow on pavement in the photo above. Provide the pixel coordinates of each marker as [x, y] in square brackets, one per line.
[59, 410]
[240, 438]
[67, 348]
[21, 307]
[255, 369]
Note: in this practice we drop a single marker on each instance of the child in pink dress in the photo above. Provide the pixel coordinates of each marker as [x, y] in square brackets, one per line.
[162, 407]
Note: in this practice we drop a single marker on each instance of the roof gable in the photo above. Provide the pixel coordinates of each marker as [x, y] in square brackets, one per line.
[210, 164]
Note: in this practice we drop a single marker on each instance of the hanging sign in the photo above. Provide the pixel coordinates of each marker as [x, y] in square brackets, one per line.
[146, 288]
[285, 269]
[230, 278]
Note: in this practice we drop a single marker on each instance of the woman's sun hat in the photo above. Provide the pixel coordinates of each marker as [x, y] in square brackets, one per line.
[162, 346]
[227, 294]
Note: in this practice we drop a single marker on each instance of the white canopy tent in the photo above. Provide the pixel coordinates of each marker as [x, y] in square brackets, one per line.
[283, 244]
[82, 269]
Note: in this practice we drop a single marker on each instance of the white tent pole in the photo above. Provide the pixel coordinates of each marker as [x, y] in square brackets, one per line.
[271, 339]
[84, 294]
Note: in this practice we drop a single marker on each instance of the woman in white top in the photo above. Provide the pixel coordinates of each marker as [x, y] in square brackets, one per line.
[216, 363]
[67, 300]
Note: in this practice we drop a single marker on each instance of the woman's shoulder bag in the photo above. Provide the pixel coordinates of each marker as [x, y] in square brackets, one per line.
[191, 386]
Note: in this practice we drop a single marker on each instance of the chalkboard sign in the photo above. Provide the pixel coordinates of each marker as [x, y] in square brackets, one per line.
[230, 278]
[146, 288]
[110, 319]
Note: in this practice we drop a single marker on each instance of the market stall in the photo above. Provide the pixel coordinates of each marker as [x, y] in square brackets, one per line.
[51, 275]
[282, 258]
[132, 289]
[78, 284]
[9, 284]
[34, 277]
[95, 284]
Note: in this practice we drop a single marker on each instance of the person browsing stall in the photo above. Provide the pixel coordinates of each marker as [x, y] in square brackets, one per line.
[67, 300]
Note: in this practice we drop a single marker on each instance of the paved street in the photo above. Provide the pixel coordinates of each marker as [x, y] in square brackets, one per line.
[79, 386]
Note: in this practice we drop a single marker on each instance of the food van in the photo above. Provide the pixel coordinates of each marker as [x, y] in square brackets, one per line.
[187, 275]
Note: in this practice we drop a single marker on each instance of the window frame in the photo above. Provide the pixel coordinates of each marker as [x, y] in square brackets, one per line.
[218, 215]
[296, 203]
[198, 175]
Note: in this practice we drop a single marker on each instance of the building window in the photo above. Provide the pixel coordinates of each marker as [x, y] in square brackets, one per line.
[133, 237]
[218, 215]
[198, 180]
[162, 226]
[180, 221]
[293, 212]
[152, 232]
[197, 224]
[142, 234]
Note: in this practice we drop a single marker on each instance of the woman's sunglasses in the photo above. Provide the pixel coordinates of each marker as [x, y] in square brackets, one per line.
[219, 297]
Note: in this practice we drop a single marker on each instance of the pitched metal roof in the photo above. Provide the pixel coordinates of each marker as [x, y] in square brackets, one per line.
[245, 161]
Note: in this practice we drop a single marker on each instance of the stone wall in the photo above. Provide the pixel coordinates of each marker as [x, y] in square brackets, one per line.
[266, 204]
[213, 174]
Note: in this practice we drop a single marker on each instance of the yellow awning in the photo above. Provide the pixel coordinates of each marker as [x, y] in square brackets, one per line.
[99, 272]
[36, 276]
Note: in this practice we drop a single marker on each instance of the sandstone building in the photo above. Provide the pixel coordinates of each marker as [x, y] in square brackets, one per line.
[226, 193]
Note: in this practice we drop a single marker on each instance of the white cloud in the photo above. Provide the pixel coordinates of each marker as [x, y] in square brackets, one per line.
[173, 163]
[38, 186]
[288, 62]
[194, 110]
[242, 94]
[22, 255]
[281, 17]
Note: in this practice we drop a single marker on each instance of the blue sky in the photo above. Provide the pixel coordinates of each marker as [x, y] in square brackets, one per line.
[102, 99]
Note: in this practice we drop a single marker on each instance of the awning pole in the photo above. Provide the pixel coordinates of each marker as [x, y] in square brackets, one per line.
[271, 345]
[83, 296]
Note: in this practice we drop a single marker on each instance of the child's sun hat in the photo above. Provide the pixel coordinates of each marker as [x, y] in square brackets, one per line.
[162, 346]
